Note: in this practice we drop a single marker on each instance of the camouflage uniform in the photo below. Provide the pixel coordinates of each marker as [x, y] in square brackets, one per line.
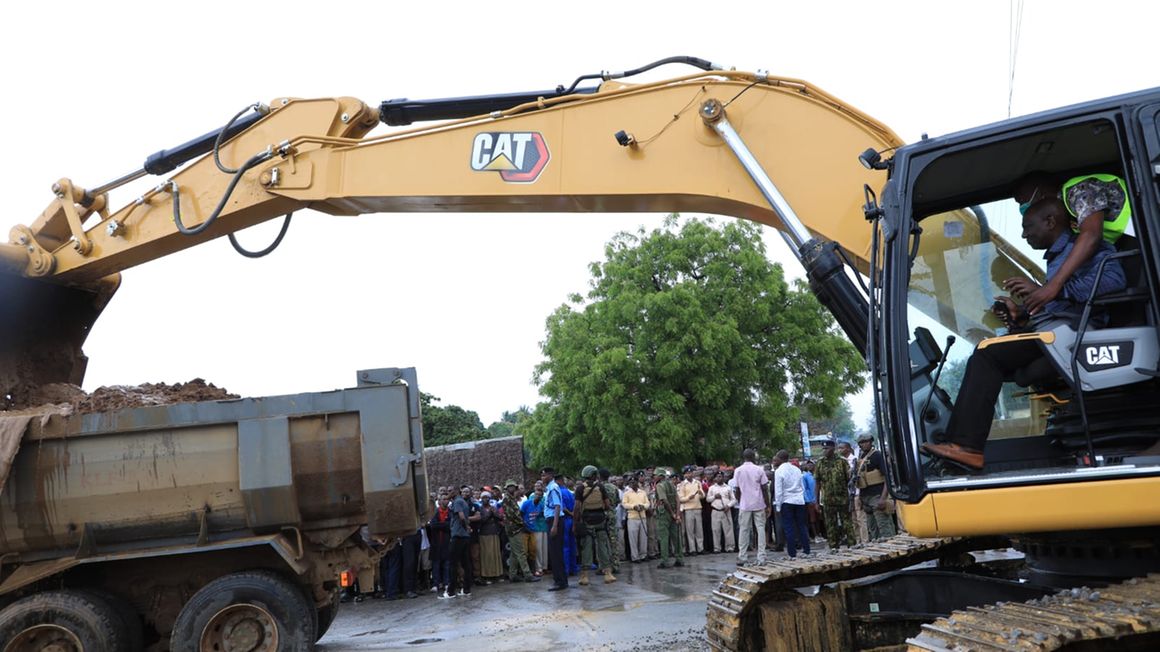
[668, 524]
[595, 540]
[833, 474]
[1092, 195]
[518, 569]
[615, 545]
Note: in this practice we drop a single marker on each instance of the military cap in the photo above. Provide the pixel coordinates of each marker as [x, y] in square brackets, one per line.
[510, 483]
[865, 437]
[588, 472]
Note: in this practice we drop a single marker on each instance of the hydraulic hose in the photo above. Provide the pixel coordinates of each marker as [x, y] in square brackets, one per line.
[696, 62]
[263, 252]
[254, 160]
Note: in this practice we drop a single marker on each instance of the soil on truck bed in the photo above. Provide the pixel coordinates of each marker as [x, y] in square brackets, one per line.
[118, 397]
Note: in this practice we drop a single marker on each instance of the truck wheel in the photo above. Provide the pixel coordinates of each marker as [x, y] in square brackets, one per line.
[69, 621]
[133, 624]
[327, 614]
[255, 611]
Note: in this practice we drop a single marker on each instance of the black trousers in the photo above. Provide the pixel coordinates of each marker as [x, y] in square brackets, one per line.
[460, 558]
[556, 551]
[987, 369]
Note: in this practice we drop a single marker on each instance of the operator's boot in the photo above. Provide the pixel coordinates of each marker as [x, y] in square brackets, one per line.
[584, 577]
[608, 577]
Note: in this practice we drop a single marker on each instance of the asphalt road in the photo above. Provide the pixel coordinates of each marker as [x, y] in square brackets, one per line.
[648, 609]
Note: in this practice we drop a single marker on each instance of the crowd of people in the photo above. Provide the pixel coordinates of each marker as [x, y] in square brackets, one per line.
[562, 526]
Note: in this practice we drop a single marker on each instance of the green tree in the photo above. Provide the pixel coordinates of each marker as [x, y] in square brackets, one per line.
[840, 423]
[448, 425]
[690, 344]
[506, 426]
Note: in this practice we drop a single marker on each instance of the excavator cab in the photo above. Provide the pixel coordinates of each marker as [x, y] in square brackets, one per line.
[1080, 418]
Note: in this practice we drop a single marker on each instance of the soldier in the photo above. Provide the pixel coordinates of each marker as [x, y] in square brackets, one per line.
[668, 521]
[833, 475]
[591, 525]
[513, 523]
[871, 480]
[611, 519]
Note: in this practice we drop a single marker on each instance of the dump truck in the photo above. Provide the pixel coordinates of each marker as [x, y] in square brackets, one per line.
[205, 526]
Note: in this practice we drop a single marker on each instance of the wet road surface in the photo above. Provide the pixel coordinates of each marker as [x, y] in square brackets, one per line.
[647, 610]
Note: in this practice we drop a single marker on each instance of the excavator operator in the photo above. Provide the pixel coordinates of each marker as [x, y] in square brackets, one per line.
[1046, 227]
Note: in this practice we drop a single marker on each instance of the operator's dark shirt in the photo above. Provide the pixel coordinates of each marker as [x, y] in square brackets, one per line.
[1079, 286]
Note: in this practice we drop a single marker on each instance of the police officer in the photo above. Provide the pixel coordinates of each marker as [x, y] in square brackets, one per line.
[668, 520]
[591, 524]
[870, 478]
[833, 475]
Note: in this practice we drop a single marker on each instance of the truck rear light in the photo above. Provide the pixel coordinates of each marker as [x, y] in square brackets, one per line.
[346, 579]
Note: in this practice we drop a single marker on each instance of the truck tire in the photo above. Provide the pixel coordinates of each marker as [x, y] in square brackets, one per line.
[66, 620]
[134, 625]
[327, 614]
[256, 610]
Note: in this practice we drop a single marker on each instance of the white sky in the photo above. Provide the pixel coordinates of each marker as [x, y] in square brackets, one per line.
[93, 88]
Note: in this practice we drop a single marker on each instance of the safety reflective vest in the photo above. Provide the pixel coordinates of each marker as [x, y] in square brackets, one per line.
[1113, 229]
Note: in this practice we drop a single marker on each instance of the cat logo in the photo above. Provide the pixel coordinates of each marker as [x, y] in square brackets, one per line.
[1101, 355]
[1106, 355]
[518, 156]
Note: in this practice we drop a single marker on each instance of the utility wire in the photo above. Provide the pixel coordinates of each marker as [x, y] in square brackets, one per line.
[1014, 32]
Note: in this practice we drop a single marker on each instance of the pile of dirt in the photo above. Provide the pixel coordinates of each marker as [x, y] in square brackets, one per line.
[118, 397]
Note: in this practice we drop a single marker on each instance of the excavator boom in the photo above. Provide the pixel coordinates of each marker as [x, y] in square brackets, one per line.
[620, 148]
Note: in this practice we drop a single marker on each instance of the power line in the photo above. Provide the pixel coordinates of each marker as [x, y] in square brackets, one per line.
[1014, 31]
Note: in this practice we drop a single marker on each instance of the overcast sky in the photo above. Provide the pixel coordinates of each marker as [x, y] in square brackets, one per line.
[91, 89]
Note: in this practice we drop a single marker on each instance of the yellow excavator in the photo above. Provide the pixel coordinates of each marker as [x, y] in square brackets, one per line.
[905, 244]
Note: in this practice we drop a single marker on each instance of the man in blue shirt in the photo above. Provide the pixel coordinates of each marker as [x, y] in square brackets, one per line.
[554, 512]
[571, 550]
[810, 489]
[533, 510]
[1046, 227]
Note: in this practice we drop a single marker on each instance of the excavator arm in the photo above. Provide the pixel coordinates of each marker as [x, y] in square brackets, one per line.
[654, 147]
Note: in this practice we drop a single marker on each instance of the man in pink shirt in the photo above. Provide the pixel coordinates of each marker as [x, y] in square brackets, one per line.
[753, 506]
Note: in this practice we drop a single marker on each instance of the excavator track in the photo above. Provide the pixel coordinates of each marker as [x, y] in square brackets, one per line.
[733, 612]
[1122, 616]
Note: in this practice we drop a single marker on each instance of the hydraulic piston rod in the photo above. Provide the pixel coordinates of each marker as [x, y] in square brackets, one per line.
[713, 113]
[822, 260]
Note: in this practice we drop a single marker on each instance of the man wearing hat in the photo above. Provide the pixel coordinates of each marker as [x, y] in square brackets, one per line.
[513, 523]
[871, 481]
[668, 520]
[554, 512]
[833, 475]
[592, 525]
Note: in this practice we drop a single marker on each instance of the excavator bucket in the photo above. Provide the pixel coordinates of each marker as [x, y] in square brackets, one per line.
[42, 328]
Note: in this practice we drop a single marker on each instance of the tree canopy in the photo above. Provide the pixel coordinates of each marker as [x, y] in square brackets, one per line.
[689, 344]
[839, 424]
[448, 425]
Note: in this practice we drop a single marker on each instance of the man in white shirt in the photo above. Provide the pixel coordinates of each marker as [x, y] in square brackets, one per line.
[789, 497]
[753, 504]
[721, 502]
